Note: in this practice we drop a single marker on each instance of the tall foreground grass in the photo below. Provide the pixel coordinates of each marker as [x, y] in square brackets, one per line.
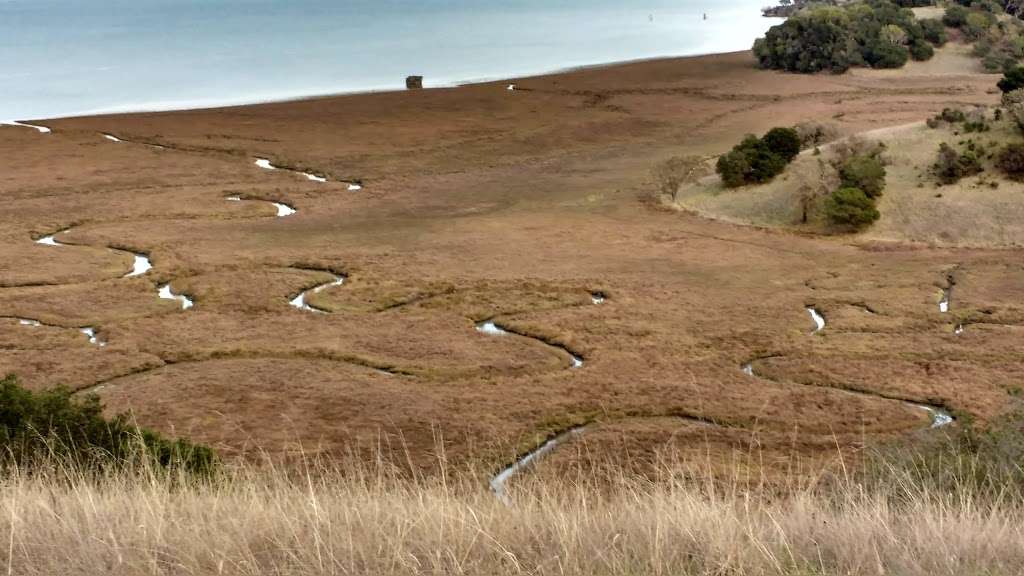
[357, 520]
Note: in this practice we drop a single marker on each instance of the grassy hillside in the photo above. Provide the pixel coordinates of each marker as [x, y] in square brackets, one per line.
[915, 206]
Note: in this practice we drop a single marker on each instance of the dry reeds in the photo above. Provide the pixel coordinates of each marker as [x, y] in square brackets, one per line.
[355, 518]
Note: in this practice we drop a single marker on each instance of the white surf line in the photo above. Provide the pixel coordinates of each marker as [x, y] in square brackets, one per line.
[489, 327]
[819, 320]
[499, 483]
[300, 300]
[40, 129]
[165, 293]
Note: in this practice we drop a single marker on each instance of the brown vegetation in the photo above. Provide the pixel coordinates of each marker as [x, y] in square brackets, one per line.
[482, 203]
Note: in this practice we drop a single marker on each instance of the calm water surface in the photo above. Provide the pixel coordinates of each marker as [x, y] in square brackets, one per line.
[65, 57]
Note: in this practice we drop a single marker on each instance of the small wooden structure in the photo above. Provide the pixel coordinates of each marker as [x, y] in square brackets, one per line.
[414, 82]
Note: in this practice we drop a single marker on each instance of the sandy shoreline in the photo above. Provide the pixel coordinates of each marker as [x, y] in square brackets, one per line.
[242, 103]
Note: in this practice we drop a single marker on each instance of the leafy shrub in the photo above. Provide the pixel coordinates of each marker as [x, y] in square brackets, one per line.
[38, 425]
[1013, 79]
[865, 173]
[977, 23]
[882, 54]
[851, 207]
[1011, 161]
[784, 142]
[934, 31]
[952, 115]
[955, 16]
[921, 51]
[733, 168]
[951, 166]
[809, 41]
[755, 161]
[876, 33]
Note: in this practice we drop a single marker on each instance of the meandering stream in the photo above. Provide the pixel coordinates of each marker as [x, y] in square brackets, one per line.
[499, 484]
[283, 210]
[819, 320]
[165, 293]
[300, 300]
[88, 331]
[491, 328]
[40, 129]
[266, 164]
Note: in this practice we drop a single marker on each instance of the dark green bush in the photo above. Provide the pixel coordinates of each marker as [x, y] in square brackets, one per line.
[851, 207]
[952, 115]
[934, 31]
[733, 168]
[809, 41]
[951, 166]
[920, 51]
[757, 160]
[785, 142]
[865, 173]
[955, 16]
[1011, 161]
[51, 425]
[879, 53]
[1013, 79]
[875, 33]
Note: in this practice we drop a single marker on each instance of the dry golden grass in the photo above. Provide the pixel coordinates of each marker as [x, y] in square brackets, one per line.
[361, 520]
[978, 211]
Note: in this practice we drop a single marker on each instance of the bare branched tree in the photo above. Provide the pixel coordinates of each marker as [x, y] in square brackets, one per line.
[671, 174]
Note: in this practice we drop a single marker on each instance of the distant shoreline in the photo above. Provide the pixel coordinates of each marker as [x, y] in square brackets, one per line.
[284, 99]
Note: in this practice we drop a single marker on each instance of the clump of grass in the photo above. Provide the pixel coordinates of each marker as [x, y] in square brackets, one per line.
[982, 463]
